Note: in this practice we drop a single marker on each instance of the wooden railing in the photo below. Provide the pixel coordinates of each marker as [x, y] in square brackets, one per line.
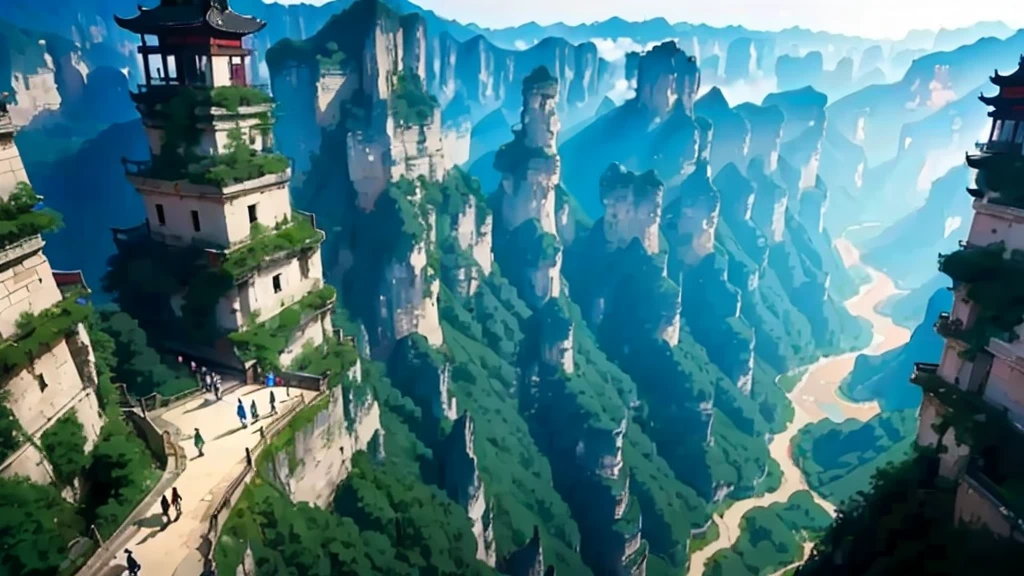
[221, 511]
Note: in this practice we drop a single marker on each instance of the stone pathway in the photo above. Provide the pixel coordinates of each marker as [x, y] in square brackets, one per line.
[167, 549]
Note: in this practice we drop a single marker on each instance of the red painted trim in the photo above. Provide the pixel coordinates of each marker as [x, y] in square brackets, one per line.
[200, 41]
[1011, 92]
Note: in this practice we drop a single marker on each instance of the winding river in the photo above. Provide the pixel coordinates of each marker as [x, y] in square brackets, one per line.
[815, 398]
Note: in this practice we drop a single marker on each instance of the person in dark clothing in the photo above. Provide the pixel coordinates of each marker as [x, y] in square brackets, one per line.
[176, 500]
[252, 410]
[197, 438]
[241, 413]
[165, 505]
[273, 403]
[133, 565]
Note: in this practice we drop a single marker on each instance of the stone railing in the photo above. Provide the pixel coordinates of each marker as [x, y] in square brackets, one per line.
[221, 510]
[171, 457]
[286, 379]
[21, 248]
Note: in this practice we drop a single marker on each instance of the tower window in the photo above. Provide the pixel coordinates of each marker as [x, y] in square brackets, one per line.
[195, 220]
[41, 381]
[304, 268]
[252, 214]
[160, 218]
[277, 283]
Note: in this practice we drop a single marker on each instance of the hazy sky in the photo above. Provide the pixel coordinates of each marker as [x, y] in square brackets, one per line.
[874, 18]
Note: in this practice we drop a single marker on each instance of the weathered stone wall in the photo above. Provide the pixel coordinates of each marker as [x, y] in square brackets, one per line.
[26, 285]
[411, 298]
[320, 456]
[12, 170]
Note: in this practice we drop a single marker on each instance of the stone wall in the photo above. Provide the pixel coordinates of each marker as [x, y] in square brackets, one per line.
[320, 454]
[12, 170]
[26, 285]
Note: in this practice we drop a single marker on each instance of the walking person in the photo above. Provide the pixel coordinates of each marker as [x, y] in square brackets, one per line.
[216, 389]
[165, 506]
[197, 438]
[241, 413]
[133, 565]
[255, 413]
[273, 404]
[176, 500]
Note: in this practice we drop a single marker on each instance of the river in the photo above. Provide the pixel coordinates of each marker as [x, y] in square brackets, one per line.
[815, 398]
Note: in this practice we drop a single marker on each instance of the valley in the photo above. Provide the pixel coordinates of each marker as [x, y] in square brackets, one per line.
[815, 397]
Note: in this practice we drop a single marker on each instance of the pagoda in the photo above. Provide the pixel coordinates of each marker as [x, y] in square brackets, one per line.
[223, 269]
[973, 404]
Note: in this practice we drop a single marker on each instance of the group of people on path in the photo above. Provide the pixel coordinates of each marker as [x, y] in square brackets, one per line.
[254, 413]
[134, 567]
[165, 505]
[209, 380]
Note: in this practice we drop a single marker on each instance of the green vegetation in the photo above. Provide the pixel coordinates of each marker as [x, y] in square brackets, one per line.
[839, 460]
[994, 276]
[332, 62]
[35, 528]
[905, 525]
[38, 524]
[411, 103]
[771, 538]
[231, 98]
[539, 75]
[136, 364]
[288, 238]
[12, 435]
[789, 380]
[384, 522]
[1000, 173]
[239, 163]
[64, 447]
[36, 333]
[21, 217]
[266, 341]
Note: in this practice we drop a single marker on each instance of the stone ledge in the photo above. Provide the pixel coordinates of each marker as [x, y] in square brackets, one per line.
[21, 249]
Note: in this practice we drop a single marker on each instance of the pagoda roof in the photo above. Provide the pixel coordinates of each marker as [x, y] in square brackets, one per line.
[179, 15]
[1015, 78]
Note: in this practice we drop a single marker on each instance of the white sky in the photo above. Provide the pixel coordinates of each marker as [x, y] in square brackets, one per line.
[871, 18]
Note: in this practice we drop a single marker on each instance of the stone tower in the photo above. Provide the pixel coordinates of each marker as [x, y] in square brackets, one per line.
[973, 403]
[47, 367]
[216, 197]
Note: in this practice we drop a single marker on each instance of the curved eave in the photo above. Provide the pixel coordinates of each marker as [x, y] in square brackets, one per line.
[227, 22]
[234, 23]
[976, 161]
[1014, 79]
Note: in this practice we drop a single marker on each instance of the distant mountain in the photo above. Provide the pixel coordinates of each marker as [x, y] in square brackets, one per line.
[908, 309]
[874, 116]
[885, 377]
[906, 250]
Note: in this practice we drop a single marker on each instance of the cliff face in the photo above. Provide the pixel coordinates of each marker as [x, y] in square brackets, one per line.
[731, 140]
[525, 203]
[632, 208]
[654, 130]
[320, 455]
[462, 483]
[666, 75]
[490, 75]
[388, 132]
[695, 215]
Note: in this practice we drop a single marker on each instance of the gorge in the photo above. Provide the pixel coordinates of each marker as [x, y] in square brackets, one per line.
[529, 304]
